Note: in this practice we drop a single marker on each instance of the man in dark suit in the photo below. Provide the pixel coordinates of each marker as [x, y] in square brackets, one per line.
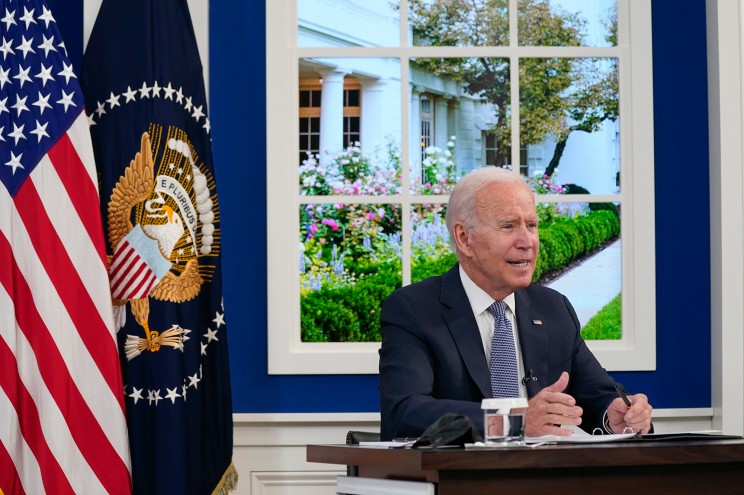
[436, 334]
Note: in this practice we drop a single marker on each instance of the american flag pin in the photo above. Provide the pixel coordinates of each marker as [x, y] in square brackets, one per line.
[537, 322]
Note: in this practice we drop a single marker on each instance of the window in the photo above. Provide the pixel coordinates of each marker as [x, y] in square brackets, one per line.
[309, 123]
[489, 149]
[424, 114]
[352, 119]
[427, 122]
[532, 162]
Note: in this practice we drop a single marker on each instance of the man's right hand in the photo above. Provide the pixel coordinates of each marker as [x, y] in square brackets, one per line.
[551, 409]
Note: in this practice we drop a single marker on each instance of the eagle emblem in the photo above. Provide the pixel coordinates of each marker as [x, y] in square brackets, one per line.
[159, 226]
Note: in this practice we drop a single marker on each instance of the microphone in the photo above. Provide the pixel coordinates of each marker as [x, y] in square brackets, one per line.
[529, 378]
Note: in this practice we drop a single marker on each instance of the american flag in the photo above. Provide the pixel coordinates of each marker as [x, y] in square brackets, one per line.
[62, 421]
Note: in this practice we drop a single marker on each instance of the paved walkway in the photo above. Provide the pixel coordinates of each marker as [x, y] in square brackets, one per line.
[592, 284]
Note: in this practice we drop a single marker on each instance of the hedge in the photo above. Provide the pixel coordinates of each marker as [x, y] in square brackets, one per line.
[567, 239]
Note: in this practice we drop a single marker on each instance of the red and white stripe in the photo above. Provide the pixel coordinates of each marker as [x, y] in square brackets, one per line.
[131, 277]
[62, 422]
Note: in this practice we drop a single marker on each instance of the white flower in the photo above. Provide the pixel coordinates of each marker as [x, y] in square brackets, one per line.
[308, 181]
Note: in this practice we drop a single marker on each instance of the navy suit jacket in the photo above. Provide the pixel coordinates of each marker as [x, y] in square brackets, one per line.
[432, 360]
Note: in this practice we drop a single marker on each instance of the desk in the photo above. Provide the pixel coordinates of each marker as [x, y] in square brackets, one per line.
[700, 466]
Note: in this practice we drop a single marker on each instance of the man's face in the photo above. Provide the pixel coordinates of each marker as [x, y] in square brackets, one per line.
[499, 253]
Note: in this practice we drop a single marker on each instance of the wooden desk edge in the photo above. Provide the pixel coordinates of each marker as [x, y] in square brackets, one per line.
[548, 456]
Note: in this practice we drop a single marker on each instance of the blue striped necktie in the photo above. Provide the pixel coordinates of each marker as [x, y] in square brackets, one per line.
[503, 367]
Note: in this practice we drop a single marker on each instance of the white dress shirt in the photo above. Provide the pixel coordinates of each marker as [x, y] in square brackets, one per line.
[480, 301]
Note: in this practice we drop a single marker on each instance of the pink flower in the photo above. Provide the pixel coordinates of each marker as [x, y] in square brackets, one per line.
[331, 223]
[371, 216]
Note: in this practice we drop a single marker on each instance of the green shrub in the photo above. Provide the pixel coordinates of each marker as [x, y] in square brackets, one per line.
[324, 320]
[566, 239]
[423, 267]
[607, 323]
[348, 313]
[605, 206]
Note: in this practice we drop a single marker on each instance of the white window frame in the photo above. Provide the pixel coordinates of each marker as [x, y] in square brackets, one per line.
[287, 354]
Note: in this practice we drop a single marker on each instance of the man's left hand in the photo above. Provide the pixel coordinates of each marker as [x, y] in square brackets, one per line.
[637, 416]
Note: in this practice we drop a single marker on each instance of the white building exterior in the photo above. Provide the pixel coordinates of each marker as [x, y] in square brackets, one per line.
[345, 100]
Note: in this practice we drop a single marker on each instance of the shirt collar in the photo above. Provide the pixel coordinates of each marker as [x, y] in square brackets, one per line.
[480, 301]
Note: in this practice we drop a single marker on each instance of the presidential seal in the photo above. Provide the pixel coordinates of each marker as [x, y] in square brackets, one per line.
[161, 228]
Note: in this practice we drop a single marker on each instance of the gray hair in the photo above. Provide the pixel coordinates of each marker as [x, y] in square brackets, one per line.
[462, 206]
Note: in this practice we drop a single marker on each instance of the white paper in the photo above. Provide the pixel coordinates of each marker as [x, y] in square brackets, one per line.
[578, 438]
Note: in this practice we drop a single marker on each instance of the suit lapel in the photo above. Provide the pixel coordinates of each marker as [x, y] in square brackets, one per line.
[464, 329]
[534, 342]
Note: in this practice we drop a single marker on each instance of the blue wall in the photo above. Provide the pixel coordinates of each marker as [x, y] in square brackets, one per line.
[237, 82]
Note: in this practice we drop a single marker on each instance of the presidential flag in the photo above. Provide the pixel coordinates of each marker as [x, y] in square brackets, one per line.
[62, 424]
[144, 91]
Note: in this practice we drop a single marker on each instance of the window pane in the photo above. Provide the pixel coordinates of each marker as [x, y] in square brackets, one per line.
[350, 261]
[315, 95]
[352, 98]
[570, 124]
[309, 142]
[460, 119]
[580, 256]
[357, 128]
[304, 99]
[592, 286]
[567, 22]
[347, 23]
[459, 22]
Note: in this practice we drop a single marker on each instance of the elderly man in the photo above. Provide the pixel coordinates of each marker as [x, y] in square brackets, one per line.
[483, 330]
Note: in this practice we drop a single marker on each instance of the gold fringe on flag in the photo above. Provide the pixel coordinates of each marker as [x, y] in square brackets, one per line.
[228, 483]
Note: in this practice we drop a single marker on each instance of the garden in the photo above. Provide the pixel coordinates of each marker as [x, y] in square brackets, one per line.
[350, 254]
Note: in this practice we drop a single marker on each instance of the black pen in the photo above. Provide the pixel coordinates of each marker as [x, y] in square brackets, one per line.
[623, 395]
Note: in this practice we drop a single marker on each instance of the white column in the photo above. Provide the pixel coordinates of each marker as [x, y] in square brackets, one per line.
[332, 112]
[452, 121]
[374, 117]
[465, 147]
[441, 130]
[414, 125]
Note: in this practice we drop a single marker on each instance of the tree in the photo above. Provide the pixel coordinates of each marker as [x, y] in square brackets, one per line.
[557, 95]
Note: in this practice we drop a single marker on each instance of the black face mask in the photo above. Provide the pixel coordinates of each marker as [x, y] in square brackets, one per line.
[451, 430]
